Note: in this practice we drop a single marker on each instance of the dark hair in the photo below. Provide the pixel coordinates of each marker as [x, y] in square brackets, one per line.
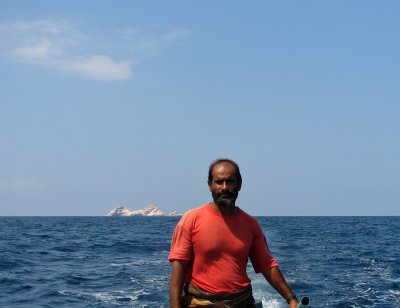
[224, 160]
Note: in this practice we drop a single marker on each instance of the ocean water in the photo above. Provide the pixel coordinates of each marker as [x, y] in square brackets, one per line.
[122, 261]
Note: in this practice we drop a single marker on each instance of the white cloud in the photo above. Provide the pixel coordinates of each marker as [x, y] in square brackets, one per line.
[62, 46]
[41, 50]
[101, 68]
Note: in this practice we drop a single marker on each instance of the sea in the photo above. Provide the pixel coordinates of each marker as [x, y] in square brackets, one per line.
[122, 261]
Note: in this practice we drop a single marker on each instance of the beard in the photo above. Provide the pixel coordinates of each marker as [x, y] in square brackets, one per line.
[225, 199]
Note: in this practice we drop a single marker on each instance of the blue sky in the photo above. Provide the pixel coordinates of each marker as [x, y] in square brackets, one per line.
[127, 102]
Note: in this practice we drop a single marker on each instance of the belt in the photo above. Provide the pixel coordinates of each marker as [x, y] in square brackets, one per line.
[196, 297]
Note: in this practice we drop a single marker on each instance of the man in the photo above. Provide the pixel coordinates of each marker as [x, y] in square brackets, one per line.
[211, 246]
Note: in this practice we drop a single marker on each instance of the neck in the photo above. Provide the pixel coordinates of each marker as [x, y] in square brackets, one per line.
[224, 210]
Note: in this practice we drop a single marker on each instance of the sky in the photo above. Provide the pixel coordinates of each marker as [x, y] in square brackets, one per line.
[107, 103]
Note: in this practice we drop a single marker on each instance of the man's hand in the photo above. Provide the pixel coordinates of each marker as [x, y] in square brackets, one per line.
[293, 303]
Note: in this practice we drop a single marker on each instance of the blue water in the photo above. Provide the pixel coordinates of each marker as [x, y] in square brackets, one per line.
[122, 261]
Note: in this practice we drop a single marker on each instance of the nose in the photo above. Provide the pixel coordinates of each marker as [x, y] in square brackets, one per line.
[224, 185]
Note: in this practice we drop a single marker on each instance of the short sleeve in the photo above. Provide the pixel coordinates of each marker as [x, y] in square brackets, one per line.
[260, 256]
[181, 246]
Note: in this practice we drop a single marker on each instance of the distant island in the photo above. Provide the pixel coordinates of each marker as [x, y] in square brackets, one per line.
[150, 210]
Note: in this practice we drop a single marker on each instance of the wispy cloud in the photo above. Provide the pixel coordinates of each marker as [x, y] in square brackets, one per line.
[62, 46]
[41, 50]
[146, 43]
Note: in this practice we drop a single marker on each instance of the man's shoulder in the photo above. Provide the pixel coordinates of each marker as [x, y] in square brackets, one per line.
[247, 216]
[196, 210]
[194, 213]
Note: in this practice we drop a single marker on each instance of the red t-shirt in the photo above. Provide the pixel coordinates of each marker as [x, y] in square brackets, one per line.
[219, 248]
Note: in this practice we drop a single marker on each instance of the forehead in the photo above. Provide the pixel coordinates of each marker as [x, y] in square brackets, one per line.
[224, 170]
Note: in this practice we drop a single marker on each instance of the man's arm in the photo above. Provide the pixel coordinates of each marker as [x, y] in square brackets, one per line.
[178, 274]
[277, 281]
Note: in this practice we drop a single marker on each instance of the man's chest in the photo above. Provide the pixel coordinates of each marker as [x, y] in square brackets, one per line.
[229, 238]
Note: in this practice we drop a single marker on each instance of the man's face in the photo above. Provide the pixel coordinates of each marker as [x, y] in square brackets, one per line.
[224, 186]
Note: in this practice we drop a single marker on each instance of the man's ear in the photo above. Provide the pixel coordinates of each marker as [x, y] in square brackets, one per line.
[209, 185]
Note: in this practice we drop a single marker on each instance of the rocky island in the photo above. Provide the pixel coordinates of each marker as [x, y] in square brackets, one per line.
[150, 210]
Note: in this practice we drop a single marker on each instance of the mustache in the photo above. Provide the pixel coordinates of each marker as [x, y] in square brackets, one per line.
[225, 198]
[225, 194]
